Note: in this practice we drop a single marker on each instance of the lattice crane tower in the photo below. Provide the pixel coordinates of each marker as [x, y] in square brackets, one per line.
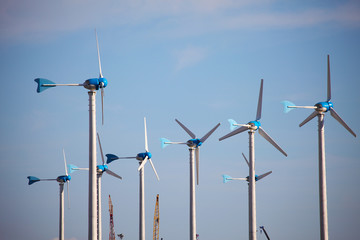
[112, 232]
[156, 220]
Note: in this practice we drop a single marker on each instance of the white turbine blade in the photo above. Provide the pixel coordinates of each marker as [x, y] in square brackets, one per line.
[197, 157]
[270, 140]
[258, 113]
[112, 174]
[328, 79]
[101, 151]
[186, 129]
[98, 52]
[143, 163]
[246, 159]
[66, 171]
[264, 175]
[153, 167]
[203, 139]
[236, 131]
[342, 122]
[311, 116]
[146, 140]
[102, 105]
[68, 193]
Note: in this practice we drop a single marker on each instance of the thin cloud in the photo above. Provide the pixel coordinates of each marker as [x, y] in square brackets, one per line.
[36, 19]
[189, 57]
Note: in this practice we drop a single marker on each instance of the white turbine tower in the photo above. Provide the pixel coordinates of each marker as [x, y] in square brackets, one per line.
[227, 178]
[143, 158]
[92, 85]
[319, 110]
[194, 146]
[100, 170]
[61, 180]
[252, 126]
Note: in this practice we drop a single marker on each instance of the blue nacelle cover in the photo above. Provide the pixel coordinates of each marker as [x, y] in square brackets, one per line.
[141, 156]
[324, 106]
[254, 124]
[63, 178]
[256, 178]
[102, 168]
[92, 84]
[103, 82]
[194, 143]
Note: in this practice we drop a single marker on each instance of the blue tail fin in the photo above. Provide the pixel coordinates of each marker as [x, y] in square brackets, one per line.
[72, 168]
[33, 179]
[40, 82]
[286, 104]
[111, 157]
[163, 141]
[226, 178]
[232, 122]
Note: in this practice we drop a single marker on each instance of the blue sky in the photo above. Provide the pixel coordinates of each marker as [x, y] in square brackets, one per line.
[200, 62]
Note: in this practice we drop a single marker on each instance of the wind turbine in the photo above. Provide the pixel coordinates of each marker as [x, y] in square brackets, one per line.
[143, 158]
[100, 170]
[92, 85]
[320, 109]
[61, 180]
[252, 126]
[194, 146]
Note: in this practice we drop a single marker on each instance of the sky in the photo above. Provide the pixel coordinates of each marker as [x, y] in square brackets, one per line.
[200, 62]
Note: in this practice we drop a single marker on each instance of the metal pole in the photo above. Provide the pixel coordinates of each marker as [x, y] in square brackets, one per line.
[192, 196]
[252, 196]
[92, 234]
[142, 206]
[61, 220]
[99, 205]
[324, 235]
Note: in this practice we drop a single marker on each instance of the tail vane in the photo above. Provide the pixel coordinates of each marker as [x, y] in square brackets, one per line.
[43, 84]
[33, 179]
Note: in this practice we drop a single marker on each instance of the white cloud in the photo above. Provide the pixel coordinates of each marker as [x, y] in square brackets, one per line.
[39, 18]
[189, 57]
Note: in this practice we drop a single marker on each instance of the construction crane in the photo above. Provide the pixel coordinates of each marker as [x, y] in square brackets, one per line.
[112, 232]
[263, 229]
[156, 220]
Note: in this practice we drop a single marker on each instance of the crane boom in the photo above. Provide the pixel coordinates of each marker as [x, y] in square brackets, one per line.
[112, 232]
[263, 229]
[156, 219]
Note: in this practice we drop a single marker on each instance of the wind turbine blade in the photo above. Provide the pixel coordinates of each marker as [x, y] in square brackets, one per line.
[236, 131]
[232, 124]
[101, 151]
[270, 140]
[153, 167]
[112, 174]
[203, 139]
[66, 171]
[328, 79]
[143, 163]
[186, 129]
[314, 114]
[197, 157]
[98, 52]
[246, 160]
[146, 140]
[102, 105]
[68, 193]
[342, 122]
[264, 175]
[258, 113]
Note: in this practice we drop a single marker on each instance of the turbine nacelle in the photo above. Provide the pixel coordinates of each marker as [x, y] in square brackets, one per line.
[323, 106]
[254, 125]
[142, 156]
[101, 168]
[194, 143]
[95, 83]
[63, 178]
